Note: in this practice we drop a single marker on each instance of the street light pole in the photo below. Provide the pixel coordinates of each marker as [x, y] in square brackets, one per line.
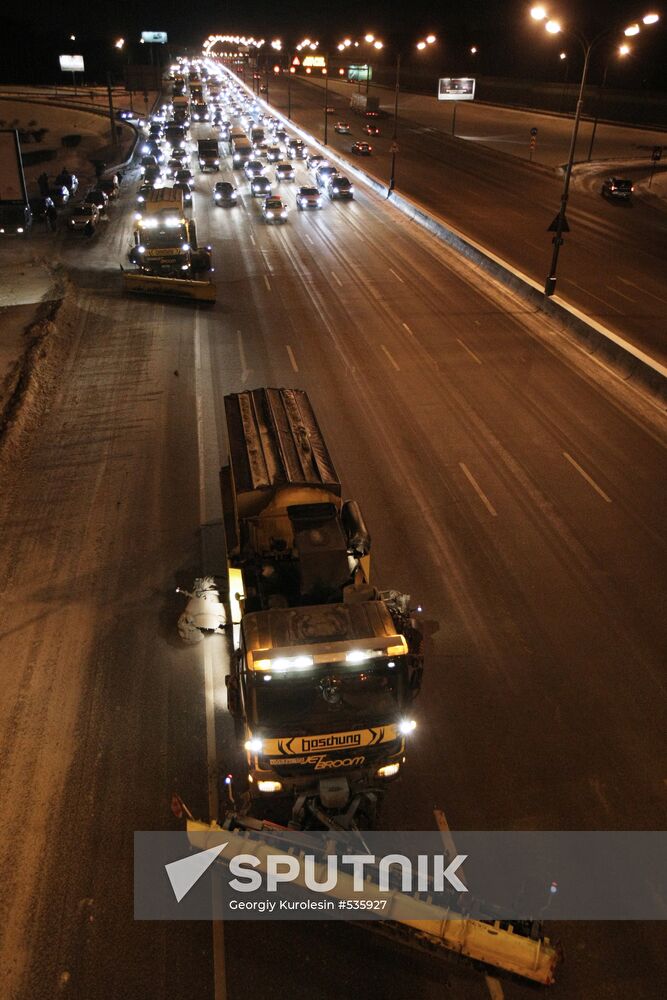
[326, 99]
[392, 177]
[550, 284]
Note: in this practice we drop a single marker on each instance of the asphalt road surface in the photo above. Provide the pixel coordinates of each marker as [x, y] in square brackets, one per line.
[511, 486]
[614, 260]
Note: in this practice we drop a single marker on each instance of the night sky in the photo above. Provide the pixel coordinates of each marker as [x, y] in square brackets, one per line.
[510, 43]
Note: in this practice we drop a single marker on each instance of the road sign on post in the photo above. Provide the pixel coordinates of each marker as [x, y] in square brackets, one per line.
[655, 156]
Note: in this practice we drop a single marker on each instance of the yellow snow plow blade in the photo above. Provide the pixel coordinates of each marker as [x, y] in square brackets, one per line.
[134, 281]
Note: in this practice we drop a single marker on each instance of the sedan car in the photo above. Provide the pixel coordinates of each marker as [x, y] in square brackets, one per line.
[260, 186]
[340, 187]
[110, 187]
[97, 197]
[70, 181]
[314, 161]
[184, 174]
[186, 189]
[618, 188]
[342, 127]
[361, 148]
[281, 135]
[124, 114]
[253, 168]
[224, 193]
[272, 154]
[308, 197]
[284, 172]
[59, 194]
[180, 153]
[143, 193]
[152, 176]
[148, 161]
[371, 129]
[83, 216]
[323, 173]
[274, 210]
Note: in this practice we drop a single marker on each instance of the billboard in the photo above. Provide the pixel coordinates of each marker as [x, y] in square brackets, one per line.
[461, 88]
[315, 62]
[12, 181]
[155, 37]
[357, 73]
[71, 64]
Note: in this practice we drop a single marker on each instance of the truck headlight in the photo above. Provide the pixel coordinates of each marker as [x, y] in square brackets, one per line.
[141, 249]
[388, 771]
[253, 745]
[185, 247]
[217, 163]
[269, 786]
[406, 726]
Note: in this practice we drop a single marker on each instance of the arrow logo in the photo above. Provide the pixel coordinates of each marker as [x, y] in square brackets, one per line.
[185, 873]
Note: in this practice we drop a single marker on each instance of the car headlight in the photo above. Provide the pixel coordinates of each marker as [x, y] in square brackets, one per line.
[141, 249]
[406, 726]
[388, 771]
[269, 213]
[217, 196]
[283, 214]
[253, 745]
[141, 199]
[336, 190]
[217, 163]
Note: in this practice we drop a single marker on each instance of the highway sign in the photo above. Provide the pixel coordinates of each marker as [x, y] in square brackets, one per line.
[154, 37]
[533, 131]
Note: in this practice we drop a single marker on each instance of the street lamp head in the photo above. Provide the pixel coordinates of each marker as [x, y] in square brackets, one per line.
[650, 18]
[72, 38]
[347, 42]
[120, 43]
[563, 55]
[538, 13]
[378, 45]
[473, 50]
[421, 45]
[633, 29]
[623, 50]
[369, 38]
[430, 39]
[553, 27]
[341, 47]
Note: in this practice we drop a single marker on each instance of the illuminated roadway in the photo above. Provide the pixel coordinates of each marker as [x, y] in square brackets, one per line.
[613, 262]
[513, 488]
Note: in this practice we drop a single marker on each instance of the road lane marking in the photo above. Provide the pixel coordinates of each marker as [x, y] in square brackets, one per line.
[218, 929]
[267, 282]
[594, 296]
[589, 480]
[252, 240]
[533, 245]
[471, 353]
[390, 357]
[245, 371]
[336, 279]
[406, 327]
[397, 275]
[644, 291]
[200, 423]
[478, 489]
[307, 237]
[292, 358]
[616, 292]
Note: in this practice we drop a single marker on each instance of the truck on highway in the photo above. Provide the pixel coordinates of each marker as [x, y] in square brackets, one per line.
[165, 251]
[15, 211]
[362, 103]
[344, 660]
[208, 154]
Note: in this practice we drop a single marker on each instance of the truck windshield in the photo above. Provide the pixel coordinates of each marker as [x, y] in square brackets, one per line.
[172, 236]
[327, 697]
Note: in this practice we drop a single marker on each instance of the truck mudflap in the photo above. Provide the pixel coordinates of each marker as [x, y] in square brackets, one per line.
[189, 288]
[416, 922]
